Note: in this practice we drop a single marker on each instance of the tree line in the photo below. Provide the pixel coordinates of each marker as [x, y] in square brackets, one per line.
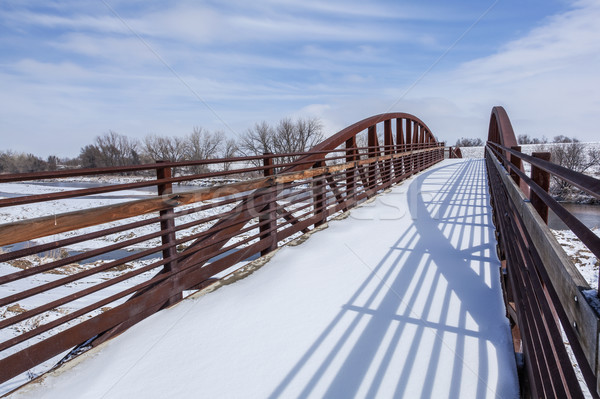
[114, 149]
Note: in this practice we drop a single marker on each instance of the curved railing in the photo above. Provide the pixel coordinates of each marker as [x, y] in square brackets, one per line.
[544, 292]
[83, 274]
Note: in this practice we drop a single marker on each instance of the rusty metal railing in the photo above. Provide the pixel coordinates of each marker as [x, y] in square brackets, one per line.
[83, 275]
[545, 294]
[455, 152]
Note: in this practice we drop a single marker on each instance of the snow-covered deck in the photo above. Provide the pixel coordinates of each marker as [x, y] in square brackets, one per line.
[400, 299]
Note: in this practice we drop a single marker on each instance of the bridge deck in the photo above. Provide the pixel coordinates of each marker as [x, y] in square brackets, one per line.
[401, 299]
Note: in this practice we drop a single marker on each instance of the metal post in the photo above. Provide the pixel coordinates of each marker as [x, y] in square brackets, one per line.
[388, 142]
[167, 226]
[542, 179]
[398, 169]
[373, 152]
[408, 166]
[350, 172]
[268, 230]
[319, 197]
[517, 162]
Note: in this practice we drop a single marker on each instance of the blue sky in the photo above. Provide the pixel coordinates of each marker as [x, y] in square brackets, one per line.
[72, 70]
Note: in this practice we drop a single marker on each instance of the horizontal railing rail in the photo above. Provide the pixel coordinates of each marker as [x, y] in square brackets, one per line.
[82, 275]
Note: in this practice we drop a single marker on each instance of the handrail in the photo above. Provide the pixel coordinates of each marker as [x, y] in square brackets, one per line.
[191, 237]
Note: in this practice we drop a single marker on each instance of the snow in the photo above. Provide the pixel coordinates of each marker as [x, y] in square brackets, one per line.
[585, 261]
[400, 299]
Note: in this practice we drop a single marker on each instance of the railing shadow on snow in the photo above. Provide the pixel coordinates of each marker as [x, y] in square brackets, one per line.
[413, 273]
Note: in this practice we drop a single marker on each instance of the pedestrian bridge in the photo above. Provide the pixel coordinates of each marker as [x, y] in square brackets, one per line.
[386, 271]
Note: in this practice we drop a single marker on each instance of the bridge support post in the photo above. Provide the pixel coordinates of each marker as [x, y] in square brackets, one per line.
[350, 172]
[388, 143]
[319, 198]
[373, 144]
[399, 148]
[542, 179]
[167, 227]
[518, 164]
[408, 148]
[268, 218]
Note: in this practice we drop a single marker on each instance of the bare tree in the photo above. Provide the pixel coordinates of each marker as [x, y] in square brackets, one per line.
[111, 149]
[52, 162]
[564, 139]
[257, 140]
[164, 148]
[6, 161]
[285, 140]
[202, 144]
[309, 133]
[524, 139]
[91, 157]
[467, 142]
[287, 137]
[11, 162]
[229, 150]
[116, 150]
[572, 155]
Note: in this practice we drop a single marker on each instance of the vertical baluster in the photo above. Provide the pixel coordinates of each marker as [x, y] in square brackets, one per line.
[319, 197]
[268, 230]
[167, 226]
[542, 179]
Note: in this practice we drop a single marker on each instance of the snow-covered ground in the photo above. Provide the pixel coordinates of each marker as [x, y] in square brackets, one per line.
[400, 299]
[582, 257]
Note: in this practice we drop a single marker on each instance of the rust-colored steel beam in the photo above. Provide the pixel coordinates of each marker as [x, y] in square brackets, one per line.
[167, 225]
[319, 198]
[351, 157]
[388, 148]
[518, 164]
[373, 144]
[269, 230]
[542, 179]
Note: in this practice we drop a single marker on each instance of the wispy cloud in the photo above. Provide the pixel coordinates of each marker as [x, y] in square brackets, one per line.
[73, 70]
[547, 79]
[560, 44]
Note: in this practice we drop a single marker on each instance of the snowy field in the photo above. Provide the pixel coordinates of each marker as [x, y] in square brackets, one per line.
[400, 299]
